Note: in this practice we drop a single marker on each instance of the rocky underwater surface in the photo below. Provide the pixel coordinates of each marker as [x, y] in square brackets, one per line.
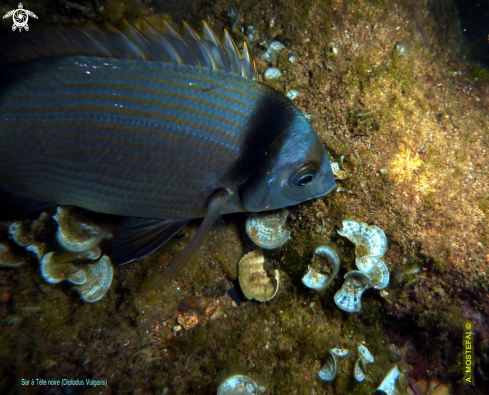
[401, 103]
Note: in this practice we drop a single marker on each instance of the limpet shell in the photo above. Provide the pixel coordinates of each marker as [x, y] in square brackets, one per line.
[316, 278]
[254, 279]
[348, 298]
[75, 231]
[99, 277]
[388, 385]
[376, 269]
[267, 230]
[330, 368]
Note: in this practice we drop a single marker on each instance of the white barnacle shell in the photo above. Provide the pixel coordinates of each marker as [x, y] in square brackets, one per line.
[330, 368]
[359, 371]
[369, 240]
[376, 269]
[99, 277]
[75, 231]
[388, 385]
[365, 354]
[319, 276]
[267, 230]
[340, 352]
[348, 298]
[254, 280]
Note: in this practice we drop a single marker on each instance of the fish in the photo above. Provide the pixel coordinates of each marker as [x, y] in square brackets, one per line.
[154, 125]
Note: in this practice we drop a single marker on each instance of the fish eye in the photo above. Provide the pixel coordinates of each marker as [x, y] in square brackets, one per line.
[304, 176]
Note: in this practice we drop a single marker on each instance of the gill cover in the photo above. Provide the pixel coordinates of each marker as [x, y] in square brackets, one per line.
[297, 171]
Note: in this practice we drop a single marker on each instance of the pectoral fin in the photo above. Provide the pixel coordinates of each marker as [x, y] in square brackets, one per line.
[216, 204]
[139, 237]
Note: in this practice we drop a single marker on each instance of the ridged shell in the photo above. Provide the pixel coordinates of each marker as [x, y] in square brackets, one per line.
[316, 278]
[254, 279]
[348, 298]
[340, 352]
[365, 354]
[99, 277]
[352, 230]
[359, 372]
[388, 385]
[330, 368]
[78, 278]
[76, 232]
[376, 269]
[267, 230]
[369, 240]
[53, 271]
[239, 385]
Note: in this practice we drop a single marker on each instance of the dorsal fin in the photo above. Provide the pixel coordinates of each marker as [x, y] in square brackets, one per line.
[130, 42]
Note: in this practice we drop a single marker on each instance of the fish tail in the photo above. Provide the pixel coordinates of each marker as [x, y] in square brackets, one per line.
[216, 203]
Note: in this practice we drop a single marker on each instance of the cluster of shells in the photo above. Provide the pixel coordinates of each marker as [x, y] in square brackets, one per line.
[268, 231]
[370, 246]
[329, 370]
[78, 239]
[257, 279]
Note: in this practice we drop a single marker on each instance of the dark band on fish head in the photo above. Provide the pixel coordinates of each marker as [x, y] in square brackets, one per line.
[264, 136]
[297, 168]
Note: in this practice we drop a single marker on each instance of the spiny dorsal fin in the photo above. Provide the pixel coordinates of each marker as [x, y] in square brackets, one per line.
[130, 42]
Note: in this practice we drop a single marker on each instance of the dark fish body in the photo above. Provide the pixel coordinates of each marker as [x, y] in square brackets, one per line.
[148, 124]
[132, 137]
